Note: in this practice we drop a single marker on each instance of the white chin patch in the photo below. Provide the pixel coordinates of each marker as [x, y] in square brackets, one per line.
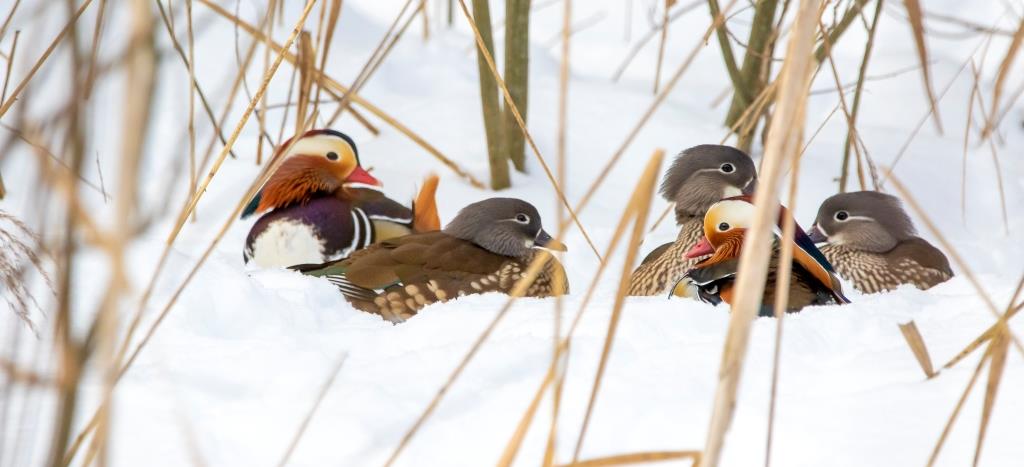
[287, 243]
[731, 191]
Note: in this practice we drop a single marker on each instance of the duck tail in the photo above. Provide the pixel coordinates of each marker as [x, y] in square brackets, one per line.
[424, 208]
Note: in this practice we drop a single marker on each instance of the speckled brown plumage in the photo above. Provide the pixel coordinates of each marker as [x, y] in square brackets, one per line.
[660, 271]
[398, 277]
[872, 242]
[913, 261]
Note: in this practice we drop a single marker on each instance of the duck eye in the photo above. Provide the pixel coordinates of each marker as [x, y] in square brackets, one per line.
[842, 216]
[522, 218]
[333, 156]
[723, 226]
[727, 168]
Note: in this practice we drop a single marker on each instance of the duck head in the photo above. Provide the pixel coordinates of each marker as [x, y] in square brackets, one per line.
[320, 161]
[702, 175]
[864, 220]
[725, 225]
[506, 226]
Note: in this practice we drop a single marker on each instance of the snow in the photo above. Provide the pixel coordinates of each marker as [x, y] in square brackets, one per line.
[230, 374]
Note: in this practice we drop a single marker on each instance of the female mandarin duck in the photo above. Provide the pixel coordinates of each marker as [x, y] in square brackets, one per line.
[873, 244]
[324, 205]
[725, 225]
[699, 177]
[486, 248]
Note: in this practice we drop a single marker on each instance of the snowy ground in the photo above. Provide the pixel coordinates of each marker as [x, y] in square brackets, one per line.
[241, 357]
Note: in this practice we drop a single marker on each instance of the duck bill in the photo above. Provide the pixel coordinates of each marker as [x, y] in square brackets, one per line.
[544, 240]
[816, 235]
[361, 178]
[702, 248]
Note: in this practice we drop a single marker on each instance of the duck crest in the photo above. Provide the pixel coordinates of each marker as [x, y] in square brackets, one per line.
[296, 181]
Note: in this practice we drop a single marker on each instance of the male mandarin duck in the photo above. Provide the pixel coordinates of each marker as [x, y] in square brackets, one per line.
[486, 248]
[699, 177]
[323, 205]
[725, 225]
[873, 244]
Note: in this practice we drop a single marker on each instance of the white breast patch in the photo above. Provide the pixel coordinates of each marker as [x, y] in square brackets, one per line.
[287, 243]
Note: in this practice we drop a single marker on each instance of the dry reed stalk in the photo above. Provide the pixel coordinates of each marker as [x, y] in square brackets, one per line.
[858, 90]
[558, 364]
[6, 105]
[669, 85]
[333, 375]
[784, 138]
[916, 344]
[10, 66]
[335, 88]
[637, 458]
[924, 118]
[1004, 70]
[997, 363]
[956, 410]
[511, 105]
[514, 443]
[783, 276]
[916, 15]
[193, 170]
[637, 211]
[8, 18]
[967, 138]
[241, 123]
[985, 336]
[517, 291]
[661, 44]
[952, 253]
[853, 136]
[305, 67]
[650, 35]
[722, 34]
[325, 46]
[90, 77]
[378, 55]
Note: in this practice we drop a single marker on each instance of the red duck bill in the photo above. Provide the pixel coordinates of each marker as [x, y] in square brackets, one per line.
[702, 248]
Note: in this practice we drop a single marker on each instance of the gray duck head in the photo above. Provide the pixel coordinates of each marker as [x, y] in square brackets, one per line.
[703, 175]
[506, 226]
[863, 220]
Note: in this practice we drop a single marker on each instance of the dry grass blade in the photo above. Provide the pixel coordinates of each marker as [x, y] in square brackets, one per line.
[518, 290]
[916, 15]
[312, 411]
[6, 105]
[953, 254]
[638, 458]
[511, 105]
[997, 363]
[992, 330]
[638, 209]
[1004, 71]
[916, 343]
[337, 89]
[241, 122]
[10, 66]
[661, 45]
[7, 20]
[956, 411]
[784, 142]
[514, 443]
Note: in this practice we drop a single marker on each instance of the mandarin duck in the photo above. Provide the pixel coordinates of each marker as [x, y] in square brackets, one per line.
[813, 280]
[698, 177]
[323, 205]
[873, 244]
[486, 248]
